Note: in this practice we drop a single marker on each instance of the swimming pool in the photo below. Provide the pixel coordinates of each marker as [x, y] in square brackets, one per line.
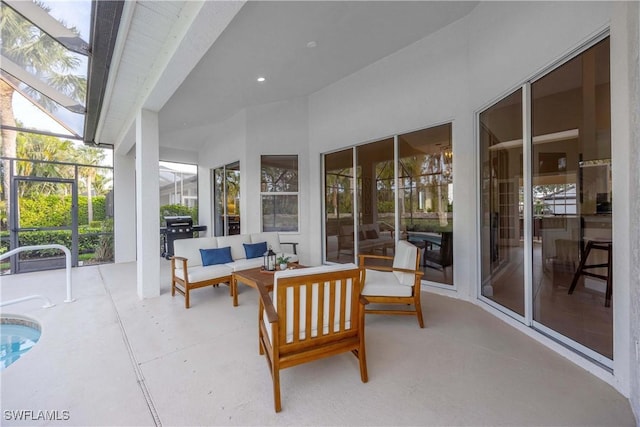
[18, 335]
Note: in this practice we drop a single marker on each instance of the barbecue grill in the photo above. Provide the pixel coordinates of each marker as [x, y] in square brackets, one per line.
[178, 227]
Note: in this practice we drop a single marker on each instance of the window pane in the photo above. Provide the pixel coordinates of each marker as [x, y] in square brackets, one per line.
[279, 174]
[572, 194]
[338, 182]
[232, 191]
[178, 190]
[426, 195]
[218, 202]
[502, 244]
[280, 213]
[376, 207]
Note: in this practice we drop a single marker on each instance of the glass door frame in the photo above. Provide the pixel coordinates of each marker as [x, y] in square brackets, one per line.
[527, 139]
[14, 226]
[396, 197]
[214, 200]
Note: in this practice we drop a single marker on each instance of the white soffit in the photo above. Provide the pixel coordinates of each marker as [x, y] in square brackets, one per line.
[158, 48]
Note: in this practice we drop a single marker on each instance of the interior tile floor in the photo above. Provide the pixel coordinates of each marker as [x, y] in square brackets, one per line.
[581, 316]
[110, 358]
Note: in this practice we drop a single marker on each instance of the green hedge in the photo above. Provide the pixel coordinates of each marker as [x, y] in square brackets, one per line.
[55, 210]
[87, 243]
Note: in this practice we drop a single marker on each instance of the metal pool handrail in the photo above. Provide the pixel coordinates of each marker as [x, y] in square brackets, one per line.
[67, 254]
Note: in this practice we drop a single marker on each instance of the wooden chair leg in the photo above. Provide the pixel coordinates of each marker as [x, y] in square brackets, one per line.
[173, 287]
[234, 291]
[362, 358]
[186, 296]
[276, 389]
[418, 307]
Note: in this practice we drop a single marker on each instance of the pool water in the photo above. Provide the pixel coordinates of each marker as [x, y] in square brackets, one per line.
[17, 336]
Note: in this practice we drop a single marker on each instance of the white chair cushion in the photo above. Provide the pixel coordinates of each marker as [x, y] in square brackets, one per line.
[190, 249]
[245, 264]
[384, 283]
[271, 237]
[235, 242]
[314, 303]
[405, 257]
[200, 273]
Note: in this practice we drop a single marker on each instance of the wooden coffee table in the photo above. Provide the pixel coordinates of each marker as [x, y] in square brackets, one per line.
[254, 277]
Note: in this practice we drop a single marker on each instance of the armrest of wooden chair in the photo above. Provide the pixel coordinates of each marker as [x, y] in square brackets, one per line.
[184, 264]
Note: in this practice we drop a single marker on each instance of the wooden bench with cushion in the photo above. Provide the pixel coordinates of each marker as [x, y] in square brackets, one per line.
[188, 271]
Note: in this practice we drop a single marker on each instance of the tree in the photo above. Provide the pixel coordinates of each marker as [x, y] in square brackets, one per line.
[89, 155]
[46, 59]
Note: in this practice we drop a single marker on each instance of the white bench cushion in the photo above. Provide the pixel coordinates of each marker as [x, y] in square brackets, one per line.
[236, 244]
[271, 237]
[190, 248]
[200, 273]
[245, 264]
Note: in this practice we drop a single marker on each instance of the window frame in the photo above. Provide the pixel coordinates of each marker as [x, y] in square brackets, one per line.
[280, 193]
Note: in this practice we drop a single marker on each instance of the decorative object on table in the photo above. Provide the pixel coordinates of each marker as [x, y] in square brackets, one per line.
[283, 261]
[269, 260]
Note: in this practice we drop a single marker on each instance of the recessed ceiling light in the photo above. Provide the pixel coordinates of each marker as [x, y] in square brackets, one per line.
[312, 44]
[261, 79]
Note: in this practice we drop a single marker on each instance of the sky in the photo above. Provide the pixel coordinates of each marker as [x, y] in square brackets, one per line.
[72, 13]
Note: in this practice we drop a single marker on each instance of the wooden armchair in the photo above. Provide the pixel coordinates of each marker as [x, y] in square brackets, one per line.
[314, 313]
[399, 284]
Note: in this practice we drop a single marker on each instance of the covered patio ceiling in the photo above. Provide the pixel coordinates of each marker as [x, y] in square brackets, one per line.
[197, 63]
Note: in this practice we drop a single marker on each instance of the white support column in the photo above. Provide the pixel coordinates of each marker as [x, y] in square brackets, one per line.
[124, 184]
[147, 204]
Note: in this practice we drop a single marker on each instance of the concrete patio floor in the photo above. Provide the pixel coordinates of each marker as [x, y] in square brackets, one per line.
[110, 358]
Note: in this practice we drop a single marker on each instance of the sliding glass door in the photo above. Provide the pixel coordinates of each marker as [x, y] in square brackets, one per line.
[425, 168]
[226, 199]
[546, 242]
[338, 187]
[502, 244]
[403, 196]
[572, 192]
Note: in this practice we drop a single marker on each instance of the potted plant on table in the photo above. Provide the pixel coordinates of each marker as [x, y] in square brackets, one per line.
[283, 261]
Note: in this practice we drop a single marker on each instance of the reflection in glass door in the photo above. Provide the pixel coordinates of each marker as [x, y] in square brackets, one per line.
[226, 200]
[502, 265]
[420, 210]
[376, 189]
[572, 193]
[426, 198]
[569, 200]
[338, 184]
